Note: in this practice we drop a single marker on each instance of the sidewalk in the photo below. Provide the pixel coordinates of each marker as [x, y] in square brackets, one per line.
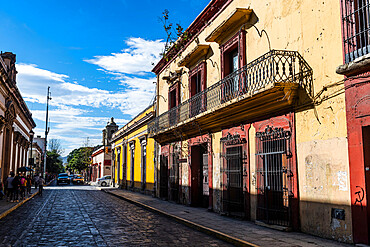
[237, 232]
[8, 207]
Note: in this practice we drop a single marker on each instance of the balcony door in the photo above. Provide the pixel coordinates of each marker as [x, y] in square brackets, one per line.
[197, 84]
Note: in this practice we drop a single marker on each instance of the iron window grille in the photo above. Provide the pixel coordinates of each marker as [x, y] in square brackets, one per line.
[274, 175]
[356, 26]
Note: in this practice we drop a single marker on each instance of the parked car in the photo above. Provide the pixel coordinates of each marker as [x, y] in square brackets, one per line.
[104, 181]
[78, 179]
[63, 179]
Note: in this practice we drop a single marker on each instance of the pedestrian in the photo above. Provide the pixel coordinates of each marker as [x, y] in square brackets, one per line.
[1, 191]
[10, 188]
[36, 181]
[41, 185]
[16, 186]
[22, 187]
[29, 183]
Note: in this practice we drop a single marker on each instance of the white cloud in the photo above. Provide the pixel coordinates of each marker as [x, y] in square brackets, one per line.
[136, 59]
[71, 126]
[74, 106]
[33, 81]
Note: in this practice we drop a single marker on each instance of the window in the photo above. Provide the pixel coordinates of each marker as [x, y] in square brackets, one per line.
[132, 147]
[174, 100]
[356, 25]
[232, 58]
[197, 84]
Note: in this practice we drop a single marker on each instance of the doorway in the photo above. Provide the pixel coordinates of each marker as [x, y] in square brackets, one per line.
[174, 177]
[199, 176]
[233, 197]
[163, 181]
[366, 147]
[274, 179]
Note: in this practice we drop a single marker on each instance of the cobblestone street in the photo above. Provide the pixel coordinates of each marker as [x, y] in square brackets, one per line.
[84, 216]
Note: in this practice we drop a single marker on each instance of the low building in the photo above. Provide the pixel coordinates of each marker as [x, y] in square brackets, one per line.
[134, 154]
[16, 120]
[101, 158]
[38, 149]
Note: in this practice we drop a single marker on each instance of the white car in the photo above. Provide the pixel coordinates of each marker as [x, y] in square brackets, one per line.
[104, 181]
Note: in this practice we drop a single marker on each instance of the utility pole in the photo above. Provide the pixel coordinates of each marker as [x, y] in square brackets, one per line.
[46, 129]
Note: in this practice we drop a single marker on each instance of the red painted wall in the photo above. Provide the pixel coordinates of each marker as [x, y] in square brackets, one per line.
[358, 115]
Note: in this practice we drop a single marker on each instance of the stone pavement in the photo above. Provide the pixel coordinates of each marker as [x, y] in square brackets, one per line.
[74, 215]
[237, 232]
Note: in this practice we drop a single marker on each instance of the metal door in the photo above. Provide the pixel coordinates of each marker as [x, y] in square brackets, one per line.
[163, 182]
[174, 178]
[205, 175]
[274, 183]
[366, 150]
[233, 198]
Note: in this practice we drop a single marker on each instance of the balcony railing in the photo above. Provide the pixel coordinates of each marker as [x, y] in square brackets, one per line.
[273, 67]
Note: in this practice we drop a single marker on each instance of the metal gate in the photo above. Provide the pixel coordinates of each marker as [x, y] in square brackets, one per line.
[163, 182]
[174, 178]
[274, 176]
[205, 175]
[233, 198]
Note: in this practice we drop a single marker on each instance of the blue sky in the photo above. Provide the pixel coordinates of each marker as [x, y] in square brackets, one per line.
[95, 55]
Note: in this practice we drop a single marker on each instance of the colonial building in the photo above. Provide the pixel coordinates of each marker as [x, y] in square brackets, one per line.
[134, 154]
[37, 156]
[251, 116]
[15, 119]
[101, 164]
[356, 68]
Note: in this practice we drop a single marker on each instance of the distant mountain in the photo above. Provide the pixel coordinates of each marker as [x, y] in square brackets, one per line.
[64, 159]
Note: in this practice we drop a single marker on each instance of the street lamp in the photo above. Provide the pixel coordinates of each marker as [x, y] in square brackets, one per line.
[30, 161]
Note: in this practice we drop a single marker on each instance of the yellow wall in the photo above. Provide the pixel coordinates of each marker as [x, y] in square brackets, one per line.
[135, 135]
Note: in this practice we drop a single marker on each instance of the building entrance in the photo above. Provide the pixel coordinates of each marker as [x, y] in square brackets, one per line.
[163, 181]
[274, 176]
[199, 176]
[174, 178]
[366, 146]
[233, 197]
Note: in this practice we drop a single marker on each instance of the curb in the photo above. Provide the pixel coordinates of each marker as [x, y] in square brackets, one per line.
[209, 231]
[22, 202]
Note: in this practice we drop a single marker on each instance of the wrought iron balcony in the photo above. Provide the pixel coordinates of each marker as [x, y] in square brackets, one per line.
[280, 70]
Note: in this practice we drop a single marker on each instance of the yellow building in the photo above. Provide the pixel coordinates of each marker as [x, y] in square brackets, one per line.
[251, 116]
[133, 158]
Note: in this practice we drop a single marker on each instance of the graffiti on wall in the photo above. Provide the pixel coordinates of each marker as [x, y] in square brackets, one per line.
[360, 194]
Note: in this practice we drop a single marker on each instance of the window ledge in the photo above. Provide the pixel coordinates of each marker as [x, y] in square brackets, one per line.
[358, 66]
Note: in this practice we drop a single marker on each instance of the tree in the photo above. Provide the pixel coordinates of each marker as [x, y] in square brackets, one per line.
[175, 39]
[54, 145]
[54, 163]
[79, 159]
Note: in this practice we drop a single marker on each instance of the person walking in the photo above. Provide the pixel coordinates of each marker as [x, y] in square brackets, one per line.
[16, 186]
[41, 185]
[10, 188]
[36, 180]
[22, 187]
[29, 183]
[1, 191]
